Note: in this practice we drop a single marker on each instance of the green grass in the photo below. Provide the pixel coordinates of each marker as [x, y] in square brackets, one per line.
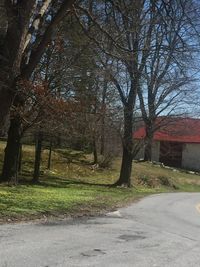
[183, 180]
[73, 187]
[20, 201]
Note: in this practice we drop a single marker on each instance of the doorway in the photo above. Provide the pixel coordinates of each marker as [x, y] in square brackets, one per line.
[171, 153]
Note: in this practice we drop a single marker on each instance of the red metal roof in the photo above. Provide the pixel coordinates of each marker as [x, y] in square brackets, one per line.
[185, 130]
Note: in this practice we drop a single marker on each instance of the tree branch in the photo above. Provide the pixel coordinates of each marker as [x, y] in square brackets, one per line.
[37, 54]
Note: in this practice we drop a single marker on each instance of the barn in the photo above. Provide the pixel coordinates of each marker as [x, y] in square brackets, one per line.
[176, 143]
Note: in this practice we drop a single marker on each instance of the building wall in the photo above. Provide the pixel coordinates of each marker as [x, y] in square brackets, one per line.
[191, 157]
[140, 154]
[155, 151]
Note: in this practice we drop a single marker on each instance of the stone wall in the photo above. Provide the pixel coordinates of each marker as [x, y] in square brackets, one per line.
[191, 157]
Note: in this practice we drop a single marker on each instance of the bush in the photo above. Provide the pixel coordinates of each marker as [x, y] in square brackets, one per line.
[105, 162]
[165, 181]
[154, 182]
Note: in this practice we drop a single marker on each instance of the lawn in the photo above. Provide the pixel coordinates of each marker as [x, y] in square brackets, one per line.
[74, 187]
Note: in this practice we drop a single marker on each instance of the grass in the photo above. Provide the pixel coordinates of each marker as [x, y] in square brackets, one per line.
[182, 180]
[74, 187]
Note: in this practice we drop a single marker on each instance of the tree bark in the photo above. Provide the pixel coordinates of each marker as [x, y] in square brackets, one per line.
[20, 159]
[49, 157]
[38, 152]
[148, 143]
[95, 150]
[126, 168]
[127, 157]
[6, 82]
[15, 132]
[11, 157]
[102, 140]
[5, 103]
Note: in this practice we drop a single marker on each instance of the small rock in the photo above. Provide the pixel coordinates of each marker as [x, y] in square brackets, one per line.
[191, 172]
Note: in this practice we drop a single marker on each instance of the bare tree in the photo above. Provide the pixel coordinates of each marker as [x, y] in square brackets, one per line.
[124, 31]
[166, 82]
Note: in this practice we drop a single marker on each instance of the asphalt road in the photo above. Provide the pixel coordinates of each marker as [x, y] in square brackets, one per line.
[160, 230]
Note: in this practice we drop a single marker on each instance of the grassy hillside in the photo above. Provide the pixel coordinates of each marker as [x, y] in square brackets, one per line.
[75, 187]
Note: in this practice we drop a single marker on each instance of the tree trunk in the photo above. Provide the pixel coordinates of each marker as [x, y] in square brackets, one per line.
[95, 151]
[148, 144]
[6, 77]
[126, 168]
[5, 103]
[49, 158]
[20, 159]
[10, 57]
[38, 152]
[10, 165]
[15, 19]
[6, 90]
[127, 157]
[102, 140]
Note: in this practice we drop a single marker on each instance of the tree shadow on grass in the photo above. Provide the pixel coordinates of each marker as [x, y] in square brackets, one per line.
[57, 182]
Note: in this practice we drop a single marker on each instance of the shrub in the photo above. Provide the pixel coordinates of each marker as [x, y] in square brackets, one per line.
[105, 162]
